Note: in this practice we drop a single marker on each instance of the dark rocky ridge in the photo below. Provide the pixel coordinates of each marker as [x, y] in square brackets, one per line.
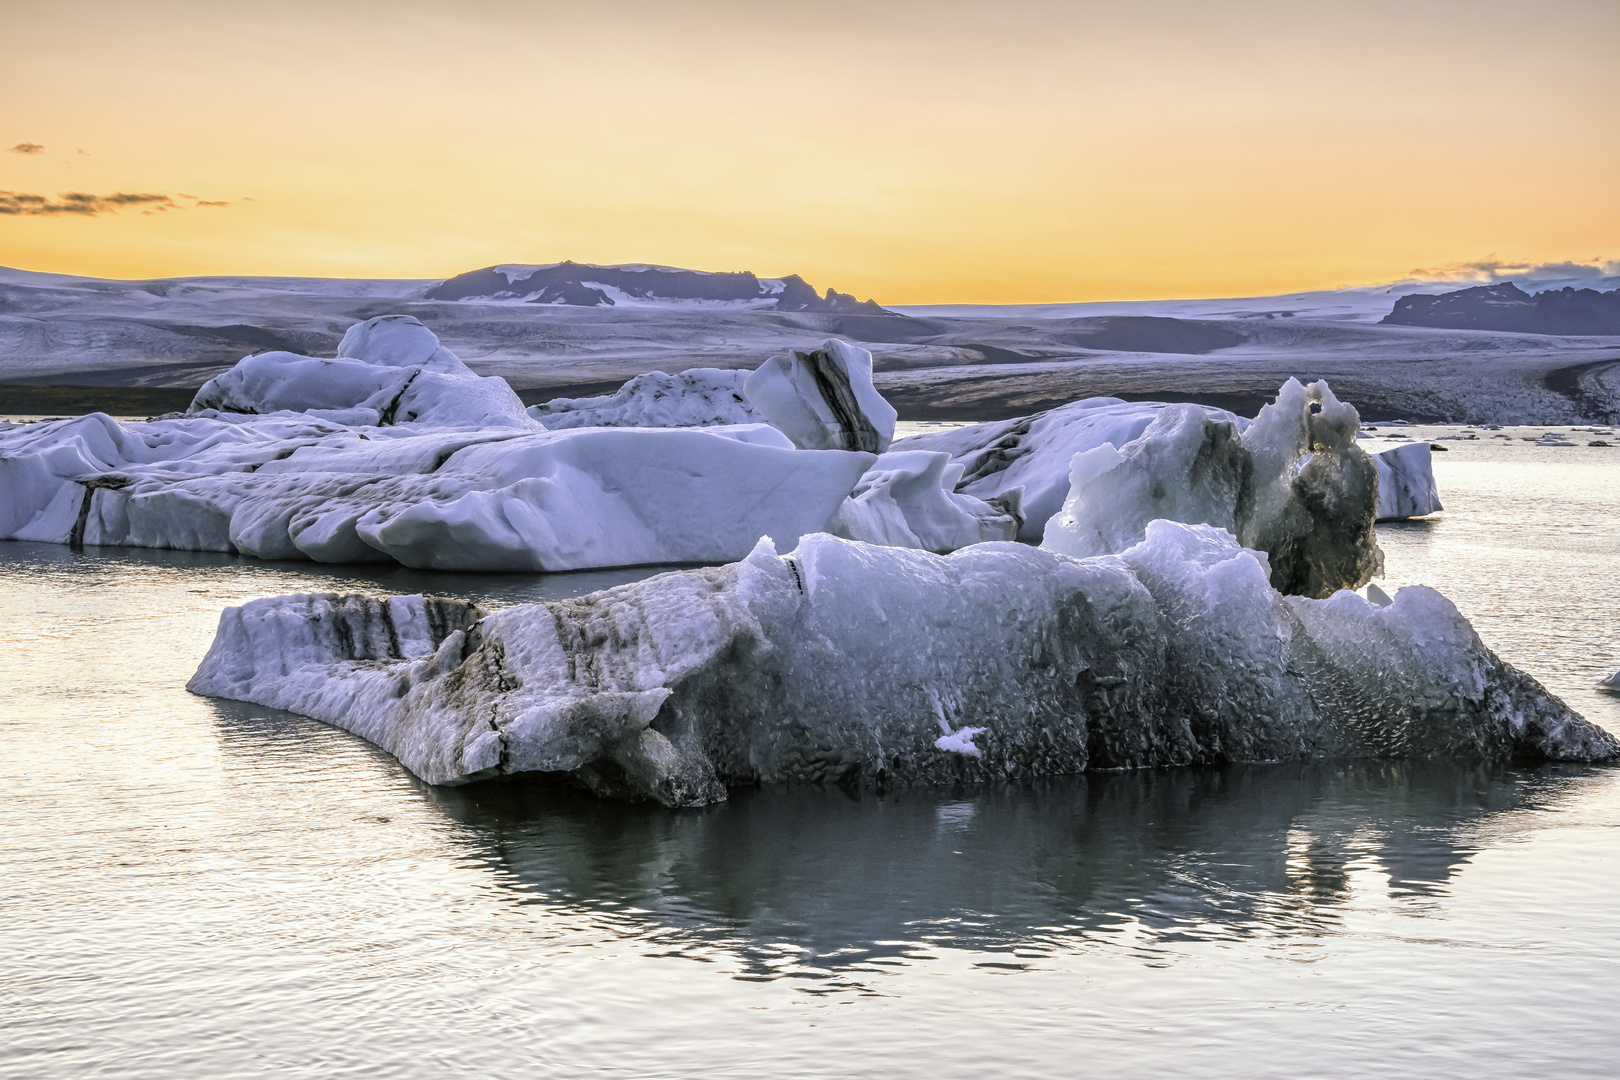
[1507, 307]
[573, 284]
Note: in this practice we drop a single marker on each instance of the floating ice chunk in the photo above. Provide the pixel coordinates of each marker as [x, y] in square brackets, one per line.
[354, 393]
[1033, 453]
[289, 486]
[390, 370]
[700, 397]
[907, 499]
[844, 661]
[823, 400]
[1612, 683]
[1183, 466]
[1293, 485]
[1406, 487]
[1314, 493]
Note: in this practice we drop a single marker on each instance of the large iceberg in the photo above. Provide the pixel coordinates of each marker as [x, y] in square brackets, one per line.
[868, 665]
[395, 450]
[289, 487]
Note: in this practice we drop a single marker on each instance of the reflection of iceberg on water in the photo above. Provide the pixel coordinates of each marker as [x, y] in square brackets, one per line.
[1041, 867]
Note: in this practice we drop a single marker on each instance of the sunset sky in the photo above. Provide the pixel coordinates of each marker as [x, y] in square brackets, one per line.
[1019, 151]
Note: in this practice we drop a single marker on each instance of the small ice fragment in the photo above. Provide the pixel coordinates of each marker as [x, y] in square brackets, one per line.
[1377, 597]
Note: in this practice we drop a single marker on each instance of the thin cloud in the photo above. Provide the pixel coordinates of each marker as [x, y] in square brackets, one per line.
[27, 148]
[83, 204]
[1492, 270]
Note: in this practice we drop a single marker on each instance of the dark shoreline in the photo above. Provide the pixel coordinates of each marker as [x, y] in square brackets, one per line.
[78, 400]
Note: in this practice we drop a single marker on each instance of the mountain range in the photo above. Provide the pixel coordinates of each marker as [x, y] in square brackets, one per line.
[1505, 306]
[587, 285]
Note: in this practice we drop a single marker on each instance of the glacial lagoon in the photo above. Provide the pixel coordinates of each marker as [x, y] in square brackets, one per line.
[204, 888]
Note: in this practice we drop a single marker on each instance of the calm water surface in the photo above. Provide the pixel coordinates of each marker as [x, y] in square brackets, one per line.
[198, 888]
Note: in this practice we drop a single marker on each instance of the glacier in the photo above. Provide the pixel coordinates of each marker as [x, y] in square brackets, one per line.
[878, 666]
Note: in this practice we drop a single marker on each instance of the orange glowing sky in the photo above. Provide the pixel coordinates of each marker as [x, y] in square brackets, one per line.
[1019, 151]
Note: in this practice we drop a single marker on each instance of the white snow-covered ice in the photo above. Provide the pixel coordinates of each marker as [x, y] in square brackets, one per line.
[699, 397]
[396, 451]
[1033, 453]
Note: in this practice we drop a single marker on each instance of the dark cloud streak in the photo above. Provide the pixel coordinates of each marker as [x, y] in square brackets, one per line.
[1492, 270]
[26, 148]
[83, 204]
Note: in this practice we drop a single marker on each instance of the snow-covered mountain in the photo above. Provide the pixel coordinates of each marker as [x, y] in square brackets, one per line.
[587, 285]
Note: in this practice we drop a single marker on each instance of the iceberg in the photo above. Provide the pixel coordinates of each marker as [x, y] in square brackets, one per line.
[875, 666]
[1406, 486]
[1292, 484]
[1611, 684]
[1032, 453]
[389, 370]
[290, 487]
[823, 399]
[907, 498]
[395, 450]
